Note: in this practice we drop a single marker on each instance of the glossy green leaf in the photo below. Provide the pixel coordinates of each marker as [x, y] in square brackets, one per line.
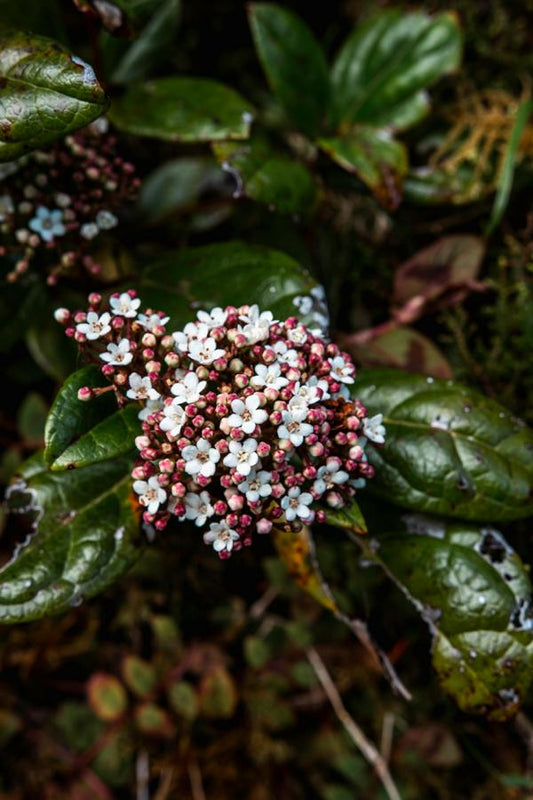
[231, 273]
[294, 63]
[182, 110]
[45, 93]
[281, 183]
[377, 159]
[155, 39]
[111, 438]
[84, 537]
[475, 594]
[380, 74]
[427, 186]
[70, 418]
[449, 450]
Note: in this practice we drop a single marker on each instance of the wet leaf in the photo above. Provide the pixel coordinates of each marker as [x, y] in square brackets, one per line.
[111, 438]
[106, 696]
[443, 271]
[70, 418]
[45, 93]
[380, 75]
[281, 183]
[182, 110]
[449, 450]
[375, 157]
[474, 593]
[231, 273]
[84, 536]
[294, 63]
[403, 348]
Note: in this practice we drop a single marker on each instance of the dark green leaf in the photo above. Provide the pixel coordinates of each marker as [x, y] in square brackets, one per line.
[145, 53]
[52, 350]
[31, 419]
[176, 187]
[183, 110]
[382, 70]
[376, 158]
[474, 593]
[294, 64]
[428, 186]
[84, 537]
[69, 417]
[449, 450]
[230, 273]
[281, 183]
[45, 93]
[111, 438]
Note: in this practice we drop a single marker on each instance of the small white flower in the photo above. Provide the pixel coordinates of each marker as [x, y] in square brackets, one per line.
[242, 456]
[289, 357]
[200, 459]
[221, 536]
[341, 370]
[293, 429]
[268, 377]
[192, 332]
[312, 391]
[329, 476]
[62, 200]
[298, 408]
[141, 388]
[257, 325]
[205, 352]
[297, 335]
[198, 507]
[118, 354]
[280, 348]
[151, 494]
[373, 429]
[151, 407]
[106, 220]
[256, 486]
[174, 419]
[188, 389]
[246, 415]
[214, 318]
[150, 322]
[124, 305]
[6, 206]
[89, 230]
[48, 223]
[296, 504]
[95, 326]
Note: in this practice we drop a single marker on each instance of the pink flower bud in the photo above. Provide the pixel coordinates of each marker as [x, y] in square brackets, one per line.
[141, 442]
[62, 315]
[178, 490]
[85, 394]
[236, 501]
[166, 465]
[263, 449]
[264, 525]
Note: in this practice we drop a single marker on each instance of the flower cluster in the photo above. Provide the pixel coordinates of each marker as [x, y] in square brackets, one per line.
[57, 202]
[247, 422]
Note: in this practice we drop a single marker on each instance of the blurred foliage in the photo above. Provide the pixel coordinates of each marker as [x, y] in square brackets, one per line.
[191, 677]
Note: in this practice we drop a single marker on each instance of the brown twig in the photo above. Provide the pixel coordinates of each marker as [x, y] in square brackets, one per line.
[363, 744]
[359, 629]
[195, 778]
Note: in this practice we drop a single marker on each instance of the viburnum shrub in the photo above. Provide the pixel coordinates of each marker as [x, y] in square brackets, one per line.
[247, 422]
[54, 203]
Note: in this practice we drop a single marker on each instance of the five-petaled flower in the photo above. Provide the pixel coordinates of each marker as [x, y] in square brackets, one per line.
[47, 224]
[151, 494]
[373, 429]
[214, 318]
[124, 305]
[94, 327]
[242, 456]
[173, 420]
[330, 476]
[205, 351]
[118, 354]
[141, 388]
[149, 321]
[296, 504]
[198, 507]
[342, 370]
[200, 459]
[269, 377]
[256, 486]
[294, 429]
[247, 414]
[188, 389]
[221, 536]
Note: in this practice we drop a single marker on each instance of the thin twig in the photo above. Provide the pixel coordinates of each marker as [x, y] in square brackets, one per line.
[260, 606]
[142, 775]
[359, 629]
[195, 778]
[165, 784]
[364, 745]
[387, 730]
